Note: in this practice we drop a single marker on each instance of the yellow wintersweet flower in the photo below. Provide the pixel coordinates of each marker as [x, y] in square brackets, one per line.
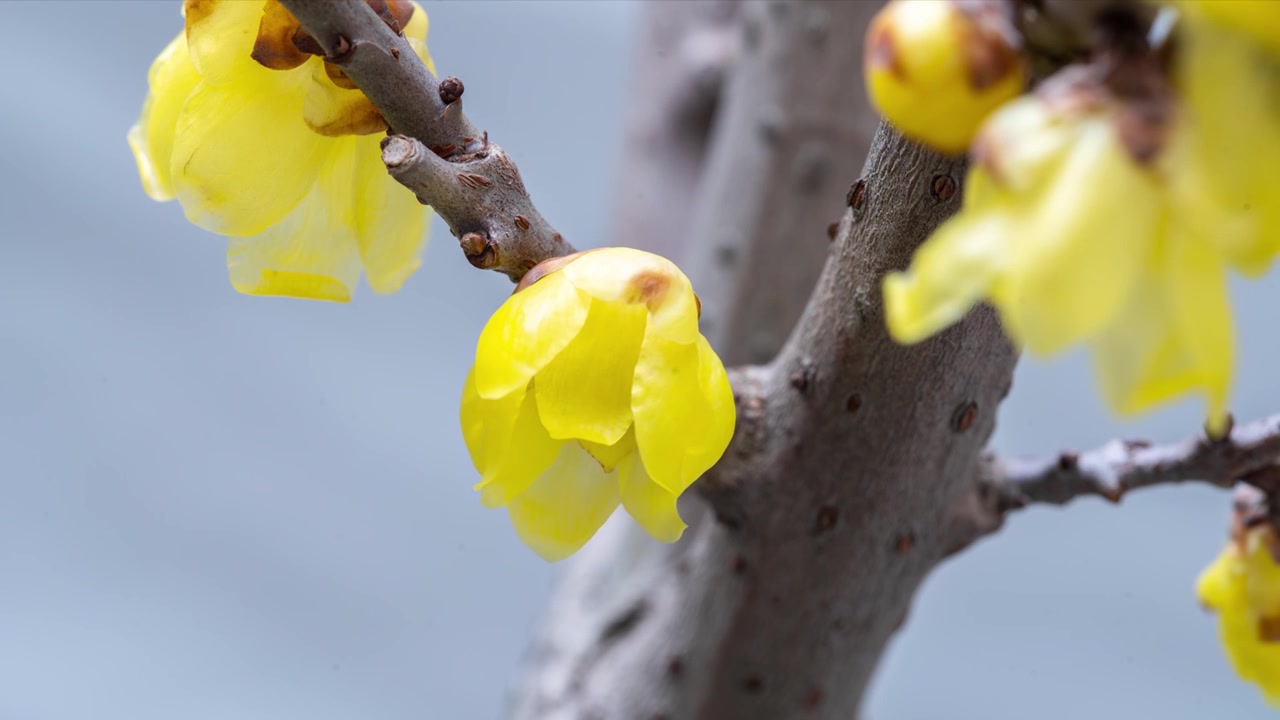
[259, 139]
[1243, 587]
[937, 68]
[1076, 242]
[592, 386]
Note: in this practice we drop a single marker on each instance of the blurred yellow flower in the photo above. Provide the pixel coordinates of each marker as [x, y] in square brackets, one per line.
[261, 140]
[1243, 587]
[936, 68]
[1076, 242]
[592, 386]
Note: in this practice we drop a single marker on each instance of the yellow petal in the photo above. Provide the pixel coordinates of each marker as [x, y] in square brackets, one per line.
[472, 421]
[1173, 335]
[650, 504]
[1263, 584]
[1222, 583]
[1254, 661]
[1258, 20]
[171, 80]
[1020, 151]
[634, 276]
[565, 506]
[243, 158]
[530, 329]
[391, 225]
[1241, 586]
[334, 111]
[585, 391]
[951, 272]
[1224, 151]
[221, 35]
[609, 456]
[1053, 292]
[517, 448]
[683, 409]
[312, 252]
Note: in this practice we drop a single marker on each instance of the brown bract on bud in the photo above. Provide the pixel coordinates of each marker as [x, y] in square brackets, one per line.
[480, 251]
[546, 267]
[282, 44]
[275, 46]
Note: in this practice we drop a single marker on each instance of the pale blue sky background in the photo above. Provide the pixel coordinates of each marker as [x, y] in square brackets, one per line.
[214, 506]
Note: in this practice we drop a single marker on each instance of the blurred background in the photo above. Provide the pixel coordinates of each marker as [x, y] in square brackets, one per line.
[217, 506]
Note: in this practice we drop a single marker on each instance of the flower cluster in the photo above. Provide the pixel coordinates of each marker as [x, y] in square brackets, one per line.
[592, 386]
[263, 141]
[1107, 212]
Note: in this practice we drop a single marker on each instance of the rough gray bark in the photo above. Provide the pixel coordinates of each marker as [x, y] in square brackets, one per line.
[434, 149]
[484, 201]
[794, 134]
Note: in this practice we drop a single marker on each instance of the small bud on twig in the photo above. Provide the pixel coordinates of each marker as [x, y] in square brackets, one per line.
[451, 90]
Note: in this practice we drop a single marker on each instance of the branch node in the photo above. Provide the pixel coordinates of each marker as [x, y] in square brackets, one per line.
[480, 251]
[342, 48]
[854, 197]
[943, 187]
[964, 417]
[1068, 460]
[827, 517]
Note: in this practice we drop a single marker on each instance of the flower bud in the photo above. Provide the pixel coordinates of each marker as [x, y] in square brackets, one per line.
[936, 68]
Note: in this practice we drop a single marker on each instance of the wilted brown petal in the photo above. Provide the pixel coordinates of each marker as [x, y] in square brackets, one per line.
[275, 47]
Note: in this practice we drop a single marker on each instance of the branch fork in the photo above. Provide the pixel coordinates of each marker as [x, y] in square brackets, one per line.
[434, 149]
[480, 194]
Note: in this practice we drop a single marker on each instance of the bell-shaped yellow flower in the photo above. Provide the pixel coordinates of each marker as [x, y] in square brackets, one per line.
[1075, 242]
[260, 140]
[593, 387]
[935, 69]
[1243, 587]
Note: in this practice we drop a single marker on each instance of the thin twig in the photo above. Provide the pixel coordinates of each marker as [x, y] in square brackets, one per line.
[1246, 454]
[445, 160]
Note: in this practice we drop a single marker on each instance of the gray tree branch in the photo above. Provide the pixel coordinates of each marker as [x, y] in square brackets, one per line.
[1250, 454]
[1114, 469]
[444, 159]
